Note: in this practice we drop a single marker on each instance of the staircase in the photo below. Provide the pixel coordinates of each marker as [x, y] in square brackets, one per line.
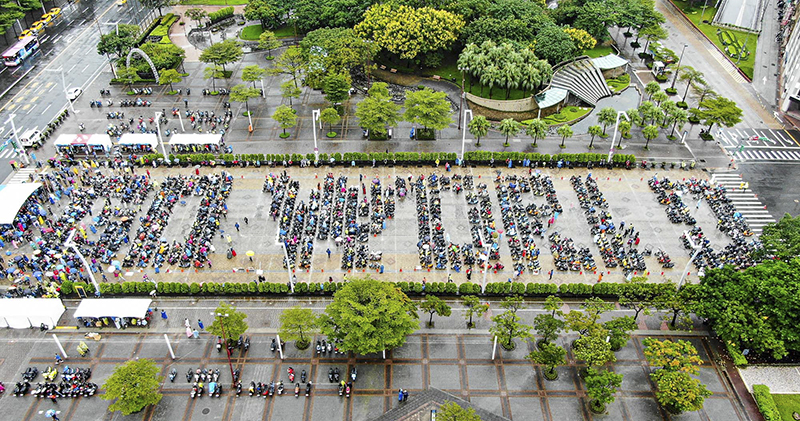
[582, 79]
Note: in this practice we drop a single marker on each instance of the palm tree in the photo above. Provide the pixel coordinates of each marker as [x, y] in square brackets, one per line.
[594, 131]
[647, 111]
[508, 127]
[489, 77]
[659, 97]
[635, 117]
[564, 131]
[650, 132]
[466, 61]
[702, 89]
[479, 127]
[689, 75]
[624, 131]
[679, 118]
[651, 88]
[668, 108]
[606, 116]
[536, 129]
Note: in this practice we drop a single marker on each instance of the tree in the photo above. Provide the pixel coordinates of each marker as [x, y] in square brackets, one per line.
[624, 130]
[594, 349]
[330, 117]
[755, 308]
[554, 45]
[196, 14]
[336, 50]
[337, 87]
[640, 296]
[679, 303]
[409, 32]
[168, 77]
[252, 73]
[718, 110]
[619, 329]
[594, 131]
[286, 117]
[548, 327]
[268, 12]
[473, 308]
[703, 89]
[678, 392]
[648, 111]
[651, 88]
[781, 239]
[134, 385]
[292, 62]
[268, 41]
[434, 305]
[369, 316]
[679, 118]
[222, 53]
[584, 322]
[297, 323]
[690, 75]
[659, 97]
[581, 39]
[428, 108]
[313, 14]
[600, 387]
[650, 132]
[668, 108]
[479, 127]
[118, 42]
[507, 325]
[290, 91]
[551, 356]
[228, 320]
[155, 4]
[653, 33]
[128, 75]
[564, 131]
[451, 411]
[244, 93]
[537, 129]
[680, 356]
[377, 110]
[508, 127]
[606, 116]
[213, 72]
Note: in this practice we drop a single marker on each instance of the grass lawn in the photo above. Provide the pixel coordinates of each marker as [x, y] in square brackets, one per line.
[694, 13]
[284, 31]
[252, 32]
[450, 70]
[214, 2]
[568, 113]
[599, 51]
[619, 83]
[786, 405]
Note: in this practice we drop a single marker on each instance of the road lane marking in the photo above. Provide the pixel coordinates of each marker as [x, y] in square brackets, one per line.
[31, 109]
[790, 135]
[46, 108]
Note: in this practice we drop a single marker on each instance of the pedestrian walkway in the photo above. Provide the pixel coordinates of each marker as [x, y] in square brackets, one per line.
[8, 153]
[22, 176]
[744, 200]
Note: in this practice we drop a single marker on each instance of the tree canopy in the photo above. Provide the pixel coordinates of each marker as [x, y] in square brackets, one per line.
[133, 386]
[269, 12]
[336, 50]
[451, 411]
[781, 240]
[118, 42]
[222, 53]
[297, 323]
[554, 45]
[718, 110]
[504, 66]
[369, 316]
[377, 110]
[428, 108]
[227, 318]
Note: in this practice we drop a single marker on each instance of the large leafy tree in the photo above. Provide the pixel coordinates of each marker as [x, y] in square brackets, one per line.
[680, 356]
[369, 316]
[678, 303]
[222, 53]
[594, 349]
[334, 50]
[585, 322]
[118, 42]
[244, 93]
[289, 91]
[196, 14]
[337, 87]
[230, 320]
[286, 118]
[508, 127]
[550, 356]
[537, 129]
[600, 387]
[128, 75]
[756, 308]
[678, 392]
[428, 108]
[377, 110]
[554, 45]
[434, 305]
[268, 41]
[252, 73]
[213, 72]
[168, 77]
[297, 324]
[133, 386]
[292, 62]
[473, 308]
[508, 325]
[500, 20]
[479, 127]
[619, 331]
[155, 4]
[595, 17]
[641, 297]
[315, 14]
[409, 32]
[330, 117]
[781, 240]
[718, 110]
[548, 326]
[268, 12]
[451, 411]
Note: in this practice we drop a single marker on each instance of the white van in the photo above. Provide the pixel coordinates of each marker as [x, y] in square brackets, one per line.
[31, 139]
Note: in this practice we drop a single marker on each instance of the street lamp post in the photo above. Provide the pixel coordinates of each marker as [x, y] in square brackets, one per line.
[64, 82]
[77, 251]
[315, 114]
[464, 132]
[697, 249]
[17, 146]
[616, 128]
[113, 72]
[158, 130]
[288, 266]
[225, 339]
[678, 69]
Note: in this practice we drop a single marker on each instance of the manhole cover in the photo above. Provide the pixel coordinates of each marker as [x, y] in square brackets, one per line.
[649, 214]
[206, 411]
[657, 229]
[626, 199]
[248, 196]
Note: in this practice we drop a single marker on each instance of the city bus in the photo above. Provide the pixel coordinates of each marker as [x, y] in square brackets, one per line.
[19, 51]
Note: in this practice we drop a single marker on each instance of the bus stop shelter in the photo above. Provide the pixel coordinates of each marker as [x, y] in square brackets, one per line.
[24, 313]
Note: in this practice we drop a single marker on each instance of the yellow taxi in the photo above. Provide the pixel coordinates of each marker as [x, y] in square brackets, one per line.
[25, 33]
[54, 12]
[46, 18]
[37, 26]
[121, 2]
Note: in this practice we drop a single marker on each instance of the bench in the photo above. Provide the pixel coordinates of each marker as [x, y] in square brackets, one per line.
[437, 77]
[383, 67]
[393, 70]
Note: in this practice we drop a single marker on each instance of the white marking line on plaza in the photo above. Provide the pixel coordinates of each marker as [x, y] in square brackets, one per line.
[46, 108]
[70, 69]
[31, 109]
[85, 68]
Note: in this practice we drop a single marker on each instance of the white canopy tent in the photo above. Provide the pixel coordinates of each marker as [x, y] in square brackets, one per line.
[139, 139]
[23, 313]
[113, 307]
[195, 139]
[84, 140]
[14, 196]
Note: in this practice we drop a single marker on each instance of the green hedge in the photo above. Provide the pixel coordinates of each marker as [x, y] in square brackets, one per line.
[220, 14]
[577, 159]
[766, 405]
[739, 360]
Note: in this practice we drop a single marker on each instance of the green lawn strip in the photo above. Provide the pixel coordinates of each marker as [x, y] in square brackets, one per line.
[618, 84]
[566, 114]
[251, 33]
[599, 51]
[694, 12]
[787, 404]
[214, 2]
[284, 31]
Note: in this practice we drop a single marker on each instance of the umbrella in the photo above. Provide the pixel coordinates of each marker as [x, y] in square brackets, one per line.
[111, 269]
[60, 267]
[10, 270]
[37, 252]
[50, 413]
[250, 253]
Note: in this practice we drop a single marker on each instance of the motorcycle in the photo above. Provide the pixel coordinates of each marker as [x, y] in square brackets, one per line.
[296, 390]
[274, 346]
[336, 374]
[308, 389]
[290, 370]
[330, 375]
[252, 389]
[219, 344]
[172, 375]
[280, 388]
[353, 374]
[238, 388]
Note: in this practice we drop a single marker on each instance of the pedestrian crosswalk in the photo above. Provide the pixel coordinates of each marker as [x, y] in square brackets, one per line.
[21, 176]
[767, 155]
[744, 200]
[8, 152]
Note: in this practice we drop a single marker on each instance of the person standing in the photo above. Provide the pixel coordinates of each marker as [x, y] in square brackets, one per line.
[245, 220]
[405, 395]
[469, 274]
[329, 252]
[200, 323]
[164, 314]
[187, 324]
[237, 226]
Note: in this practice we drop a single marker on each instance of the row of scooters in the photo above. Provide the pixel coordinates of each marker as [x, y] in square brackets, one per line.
[74, 383]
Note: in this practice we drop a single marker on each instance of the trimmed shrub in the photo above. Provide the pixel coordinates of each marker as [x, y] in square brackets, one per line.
[576, 289]
[739, 360]
[534, 288]
[220, 14]
[766, 405]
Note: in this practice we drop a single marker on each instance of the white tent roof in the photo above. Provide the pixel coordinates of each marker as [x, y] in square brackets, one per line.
[139, 139]
[84, 139]
[196, 139]
[13, 196]
[22, 313]
[113, 307]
